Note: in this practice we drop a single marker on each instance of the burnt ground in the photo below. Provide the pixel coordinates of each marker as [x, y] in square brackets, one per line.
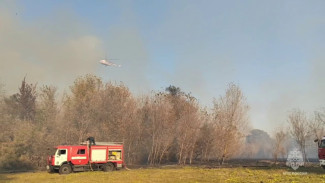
[212, 164]
[233, 163]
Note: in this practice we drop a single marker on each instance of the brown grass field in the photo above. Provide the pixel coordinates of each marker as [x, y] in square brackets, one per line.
[178, 174]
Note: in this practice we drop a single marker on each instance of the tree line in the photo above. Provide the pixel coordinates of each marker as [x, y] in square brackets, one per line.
[155, 128]
[159, 127]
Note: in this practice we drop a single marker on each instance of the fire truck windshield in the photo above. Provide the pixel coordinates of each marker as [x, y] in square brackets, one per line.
[59, 152]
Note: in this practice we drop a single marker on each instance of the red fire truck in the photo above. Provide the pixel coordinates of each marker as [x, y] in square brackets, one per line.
[321, 152]
[106, 156]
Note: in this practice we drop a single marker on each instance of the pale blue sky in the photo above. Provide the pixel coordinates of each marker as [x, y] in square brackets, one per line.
[274, 50]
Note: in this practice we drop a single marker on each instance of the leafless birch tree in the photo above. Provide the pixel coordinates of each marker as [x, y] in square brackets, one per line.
[299, 129]
[230, 120]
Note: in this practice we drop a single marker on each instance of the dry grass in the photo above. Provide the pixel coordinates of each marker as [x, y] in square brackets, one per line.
[185, 174]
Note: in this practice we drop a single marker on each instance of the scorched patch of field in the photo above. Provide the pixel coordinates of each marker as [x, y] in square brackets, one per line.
[185, 174]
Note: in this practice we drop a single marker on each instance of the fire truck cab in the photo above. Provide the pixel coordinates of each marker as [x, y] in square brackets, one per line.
[106, 156]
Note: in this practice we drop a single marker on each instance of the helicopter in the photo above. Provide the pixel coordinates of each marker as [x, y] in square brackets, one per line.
[107, 62]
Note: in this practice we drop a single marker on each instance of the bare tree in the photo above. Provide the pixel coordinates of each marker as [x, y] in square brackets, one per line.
[230, 120]
[160, 129]
[279, 144]
[299, 129]
[316, 125]
[187, 121]
[188, 126]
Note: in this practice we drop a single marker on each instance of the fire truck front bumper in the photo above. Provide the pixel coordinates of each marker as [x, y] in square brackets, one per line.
[322, 162]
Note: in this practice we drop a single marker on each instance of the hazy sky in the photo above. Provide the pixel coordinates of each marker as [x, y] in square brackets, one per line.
[274, 50]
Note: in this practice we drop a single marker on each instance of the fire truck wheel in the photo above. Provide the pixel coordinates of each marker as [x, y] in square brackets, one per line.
[65, 169]
[108, 167]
